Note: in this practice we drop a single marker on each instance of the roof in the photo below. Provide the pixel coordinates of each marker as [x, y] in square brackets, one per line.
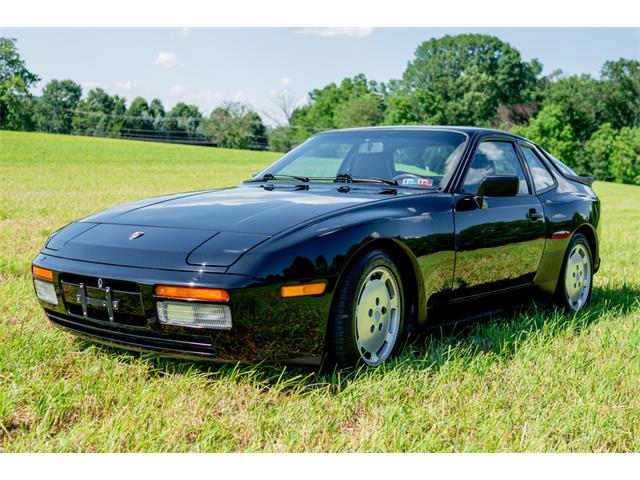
[463, 129]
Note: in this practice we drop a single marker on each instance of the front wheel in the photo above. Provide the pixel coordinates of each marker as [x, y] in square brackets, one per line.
[575, 283]
[368, 317]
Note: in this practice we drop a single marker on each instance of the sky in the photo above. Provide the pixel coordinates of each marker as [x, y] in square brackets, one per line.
[210, 66]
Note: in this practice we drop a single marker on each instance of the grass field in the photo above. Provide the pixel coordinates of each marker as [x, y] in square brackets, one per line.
[535, 381]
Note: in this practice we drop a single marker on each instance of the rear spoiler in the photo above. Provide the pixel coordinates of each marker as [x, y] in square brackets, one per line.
[588, 181]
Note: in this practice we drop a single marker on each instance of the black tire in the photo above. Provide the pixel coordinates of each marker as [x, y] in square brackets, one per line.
[562, 295]
[343, 350]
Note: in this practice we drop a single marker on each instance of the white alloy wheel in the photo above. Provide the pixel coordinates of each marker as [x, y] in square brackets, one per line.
[577, 277]
[378, 316]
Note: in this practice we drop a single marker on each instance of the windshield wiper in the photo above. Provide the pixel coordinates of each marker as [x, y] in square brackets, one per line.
[270, 176]
[345, 177]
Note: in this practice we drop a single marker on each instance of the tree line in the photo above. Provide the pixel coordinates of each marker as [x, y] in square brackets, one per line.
[62, 108]
[592, 124]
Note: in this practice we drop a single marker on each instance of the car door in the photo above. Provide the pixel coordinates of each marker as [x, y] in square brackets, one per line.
[499, 240]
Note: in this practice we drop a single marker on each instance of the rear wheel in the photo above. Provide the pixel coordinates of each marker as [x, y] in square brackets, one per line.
[368, 317]
[575, 283]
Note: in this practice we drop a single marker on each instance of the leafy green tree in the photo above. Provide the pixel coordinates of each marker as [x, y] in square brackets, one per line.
[15, 82]
[321, 113]
[587, 102]
[551, 131]
[414, 108]
[470, 75]
[233, 125]
[257, 129]
[596, 158]
[184, 119]
[156, 109]
[57, 105]
[580, 101]
[283, 138]
[91, 113]
[625, 159]
[100, 114]
[117, 117]
[139, 119]
[621, 92]
[359, 111]
[22, 115]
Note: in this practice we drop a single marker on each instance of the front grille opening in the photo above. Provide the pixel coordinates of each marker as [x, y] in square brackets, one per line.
[190, 344]
[103, 316]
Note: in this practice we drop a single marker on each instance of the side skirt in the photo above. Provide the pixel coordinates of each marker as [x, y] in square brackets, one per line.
[482, 307]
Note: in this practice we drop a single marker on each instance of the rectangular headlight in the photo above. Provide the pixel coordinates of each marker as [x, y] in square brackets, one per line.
[196, 315]
[45, 291]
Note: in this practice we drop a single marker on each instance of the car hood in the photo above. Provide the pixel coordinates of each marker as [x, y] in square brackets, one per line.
[243, 209]
[210, 228]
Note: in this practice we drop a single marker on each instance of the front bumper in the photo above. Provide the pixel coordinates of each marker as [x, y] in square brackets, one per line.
[266, 327]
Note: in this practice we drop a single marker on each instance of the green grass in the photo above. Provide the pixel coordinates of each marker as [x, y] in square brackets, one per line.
[534, 381]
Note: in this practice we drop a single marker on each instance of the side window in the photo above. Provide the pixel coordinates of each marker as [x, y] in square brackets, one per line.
[494, 158]
[542, 179]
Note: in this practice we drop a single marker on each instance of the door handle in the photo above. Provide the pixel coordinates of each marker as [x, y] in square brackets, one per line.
[533, 215]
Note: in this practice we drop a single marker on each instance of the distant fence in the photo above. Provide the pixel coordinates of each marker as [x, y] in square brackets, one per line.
[178, 130]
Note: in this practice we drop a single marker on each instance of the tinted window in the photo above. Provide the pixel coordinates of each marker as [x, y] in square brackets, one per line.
[413, 158]
[494, 158]
[542, 179]
[563, 168]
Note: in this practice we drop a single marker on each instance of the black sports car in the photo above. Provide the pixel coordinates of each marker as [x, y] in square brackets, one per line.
[337, 250]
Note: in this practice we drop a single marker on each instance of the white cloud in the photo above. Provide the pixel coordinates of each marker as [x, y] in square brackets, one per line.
[356, 32]
[176, 90]
[285, 81]
[207, 98]
[124, 86]
[166, 59]
[86, 86]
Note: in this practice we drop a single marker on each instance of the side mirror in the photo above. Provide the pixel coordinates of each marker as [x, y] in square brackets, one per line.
[499, 186]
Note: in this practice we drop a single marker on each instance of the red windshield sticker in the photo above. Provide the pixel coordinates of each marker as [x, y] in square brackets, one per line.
[427, 182]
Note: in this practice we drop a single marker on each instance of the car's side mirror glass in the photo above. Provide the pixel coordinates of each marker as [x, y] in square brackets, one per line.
[499, 186]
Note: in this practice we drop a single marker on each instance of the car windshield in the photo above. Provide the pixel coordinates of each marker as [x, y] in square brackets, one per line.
[410, 158]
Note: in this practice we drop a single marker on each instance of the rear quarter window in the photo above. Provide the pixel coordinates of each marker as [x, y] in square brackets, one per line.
[542, 179]
[562, 168]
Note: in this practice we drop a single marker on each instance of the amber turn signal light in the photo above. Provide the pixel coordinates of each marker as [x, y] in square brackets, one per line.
[193, 293]
[43, 273]
[302, 290]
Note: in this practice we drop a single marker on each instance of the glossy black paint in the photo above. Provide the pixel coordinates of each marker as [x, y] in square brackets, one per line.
[453, 250]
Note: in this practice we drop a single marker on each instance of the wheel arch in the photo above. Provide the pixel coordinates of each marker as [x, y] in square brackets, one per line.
[590, 234]
[560, 295]
[410, 272]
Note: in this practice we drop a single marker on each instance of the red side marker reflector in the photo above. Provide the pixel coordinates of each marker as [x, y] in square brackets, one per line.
[560, 235]
[42, 273]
